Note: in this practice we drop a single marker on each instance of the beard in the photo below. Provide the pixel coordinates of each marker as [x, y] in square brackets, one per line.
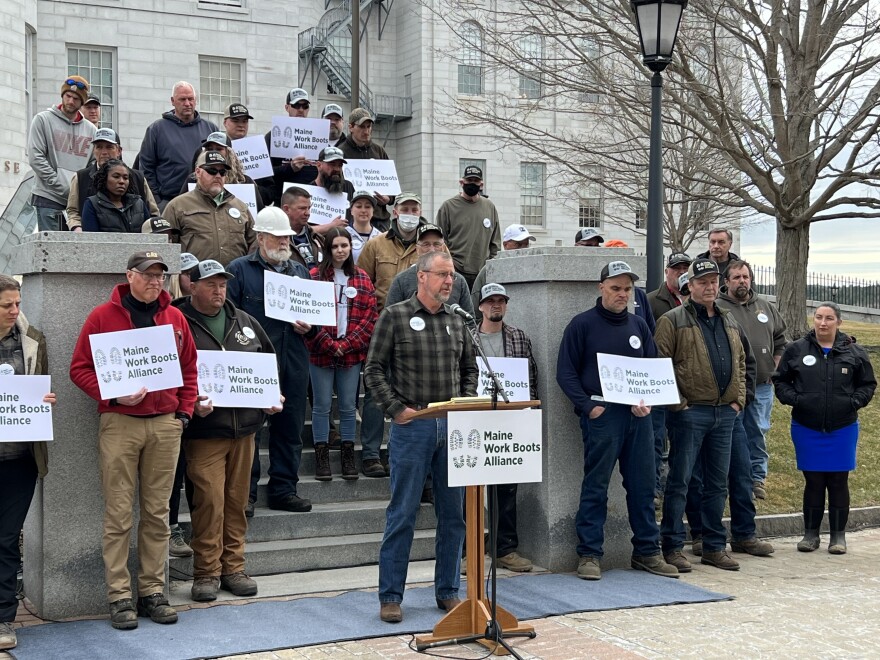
[497, 317]
[333, 183]
[741, 292]
[334, 132]
[279, 254]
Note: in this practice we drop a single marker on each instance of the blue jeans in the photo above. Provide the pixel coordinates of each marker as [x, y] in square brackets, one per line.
[413, 449]
[658, 424]
[699, 433]
[617, 436]
[346, 381]
[49, 215]
[757, 424]
[742, 504]
[372, 427]
[18, 478]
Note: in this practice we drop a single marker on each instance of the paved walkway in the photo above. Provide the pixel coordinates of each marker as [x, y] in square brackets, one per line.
[791, 605]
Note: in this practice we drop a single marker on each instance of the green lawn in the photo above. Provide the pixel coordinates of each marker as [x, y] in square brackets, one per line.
[785, 483]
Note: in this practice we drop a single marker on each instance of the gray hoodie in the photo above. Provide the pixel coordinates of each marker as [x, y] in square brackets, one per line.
[57, 147]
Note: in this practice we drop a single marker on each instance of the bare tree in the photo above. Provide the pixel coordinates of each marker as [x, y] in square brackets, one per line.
[769, 106]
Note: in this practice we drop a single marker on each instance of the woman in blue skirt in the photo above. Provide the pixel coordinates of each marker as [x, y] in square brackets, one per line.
[826, 378]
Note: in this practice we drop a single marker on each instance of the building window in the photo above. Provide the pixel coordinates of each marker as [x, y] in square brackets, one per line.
[30, 78]
[641, 217]
[590, 212]
[96, 65]
[531, 195]
[470, 68]
[590, 53]
[532, 49]
[220, 83]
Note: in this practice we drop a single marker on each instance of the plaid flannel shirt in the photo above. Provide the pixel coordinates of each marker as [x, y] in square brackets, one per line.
[518, 345]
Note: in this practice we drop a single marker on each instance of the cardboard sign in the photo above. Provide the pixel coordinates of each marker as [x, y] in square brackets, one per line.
[631, 380]
[494, 447]
[235, 379]
[297, 136]
[513, 374]
[378, 176]
[128, 360]
[23, 415]
[253, 155]
[295, 299]
[325, 206]
[246, 193]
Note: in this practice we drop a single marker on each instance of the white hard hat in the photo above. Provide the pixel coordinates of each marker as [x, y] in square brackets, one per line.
[272, 220]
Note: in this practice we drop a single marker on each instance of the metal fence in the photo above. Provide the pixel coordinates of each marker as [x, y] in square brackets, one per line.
[821, 287]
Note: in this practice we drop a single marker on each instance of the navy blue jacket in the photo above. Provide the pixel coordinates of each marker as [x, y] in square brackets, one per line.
[597, 331]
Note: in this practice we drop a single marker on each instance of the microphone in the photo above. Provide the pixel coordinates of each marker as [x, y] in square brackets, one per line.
[458, 310]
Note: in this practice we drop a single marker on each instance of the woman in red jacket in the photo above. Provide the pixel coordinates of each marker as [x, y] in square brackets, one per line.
[337, 352]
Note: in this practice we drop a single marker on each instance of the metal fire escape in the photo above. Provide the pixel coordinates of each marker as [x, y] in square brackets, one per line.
[326, 48]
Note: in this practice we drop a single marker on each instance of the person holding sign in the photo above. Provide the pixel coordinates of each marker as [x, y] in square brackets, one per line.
[222, 144]
[612, 432]
[336, 353]
[333, 113]
[219, 443]
[421, 352]
[308, 247]
[358, 144]
[22, 352]
[138, 439]
[361, 228]
[294, 170]
[332, 179]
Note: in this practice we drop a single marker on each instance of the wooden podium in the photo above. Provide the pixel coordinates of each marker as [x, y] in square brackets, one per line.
[470, 617]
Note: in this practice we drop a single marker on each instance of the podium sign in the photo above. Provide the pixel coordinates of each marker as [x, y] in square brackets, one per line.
[494, 447]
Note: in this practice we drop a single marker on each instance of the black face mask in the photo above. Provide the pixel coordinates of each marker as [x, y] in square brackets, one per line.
[471, 189]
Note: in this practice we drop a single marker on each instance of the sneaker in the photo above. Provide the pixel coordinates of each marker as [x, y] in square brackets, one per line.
[177, 546]
[588, 568]
[8, 640]
[249, 509]
[123, 615]
[390, 612]
[654, 564]
[514, 562]
[292, 503]
[753, 547]
[238, 584]
[676, 558]
[322, 462]
[373, 468]
[157, 608]
[204, 589]
[720, 560]
[349, 469]
[697, 546]
[759, 490]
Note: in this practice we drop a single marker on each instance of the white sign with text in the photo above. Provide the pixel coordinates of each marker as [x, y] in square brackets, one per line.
[325, 206]
[245, 193]
[127, 360]
[295, 299]
[297, 136]
[253, 155]
[23, 415]
[236, 379]
[630, 380]
[494, 447]
[378, 176]
[513, 374]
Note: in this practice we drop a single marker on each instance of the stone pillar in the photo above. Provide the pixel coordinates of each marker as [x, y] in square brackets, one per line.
[548, 286]
[65, 276]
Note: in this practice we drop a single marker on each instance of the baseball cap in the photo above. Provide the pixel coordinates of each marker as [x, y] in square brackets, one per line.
[93, 98]
[159, 225]
[615, 268]
[678, 258]
[493, 289]
[359, 115]
[272, 220]
[218, 137]
[236, 110]
[516, 233]
[407, 197]
[211, 158]
[587, 233]
[683, 285]
[363, 194]
[424, 229]
[472, 172]
[332, 109]
[140, 261]
[701, 267]
[209, 268]
[106, 135]
[297, 95]
[330, 154]
[187, 261]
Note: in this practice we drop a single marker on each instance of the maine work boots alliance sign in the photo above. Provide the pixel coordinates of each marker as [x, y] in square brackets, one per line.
[494, 447]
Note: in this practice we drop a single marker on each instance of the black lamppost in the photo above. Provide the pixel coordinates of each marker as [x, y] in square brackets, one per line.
[657, 22]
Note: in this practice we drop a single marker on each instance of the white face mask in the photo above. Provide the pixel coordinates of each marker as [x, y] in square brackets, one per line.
[407, 222]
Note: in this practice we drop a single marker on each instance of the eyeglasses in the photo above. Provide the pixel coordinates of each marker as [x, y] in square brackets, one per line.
[152, 277]
[213, 171]
[445, 274]
[436, 244]
[301, 106]
[78, 83]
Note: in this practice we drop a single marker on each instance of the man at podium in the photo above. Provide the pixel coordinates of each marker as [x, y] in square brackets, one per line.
[420, 353]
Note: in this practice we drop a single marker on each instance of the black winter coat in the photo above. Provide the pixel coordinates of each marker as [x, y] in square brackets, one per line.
[825, 392]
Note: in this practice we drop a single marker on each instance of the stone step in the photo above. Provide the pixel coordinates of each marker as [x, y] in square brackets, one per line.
[324, 520]
[307, 460]
[289, 556]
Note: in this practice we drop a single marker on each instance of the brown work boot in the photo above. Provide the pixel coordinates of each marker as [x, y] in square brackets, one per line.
[322, 462]
[753, 547]
[390, 612]
[721, 560]
[655, 565]
[759, 490]
[588, 568]
[157, 608]
[448, 604]
[238, 584]
[676, 558]
[123, 615]
[514, 562]
[697, 546]
[349, 469]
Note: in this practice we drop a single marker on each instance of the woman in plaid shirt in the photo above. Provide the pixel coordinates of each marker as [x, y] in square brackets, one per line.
[337, 352]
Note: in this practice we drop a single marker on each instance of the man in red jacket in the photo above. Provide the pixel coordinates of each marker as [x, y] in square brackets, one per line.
[139, 434]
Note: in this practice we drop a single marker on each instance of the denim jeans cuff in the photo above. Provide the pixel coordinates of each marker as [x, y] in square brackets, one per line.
[389, 600]
[451, 594]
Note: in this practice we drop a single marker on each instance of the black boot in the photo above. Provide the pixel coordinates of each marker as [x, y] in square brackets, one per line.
[837, 519]
[322, 462]
[349, 470]
[812, 523]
